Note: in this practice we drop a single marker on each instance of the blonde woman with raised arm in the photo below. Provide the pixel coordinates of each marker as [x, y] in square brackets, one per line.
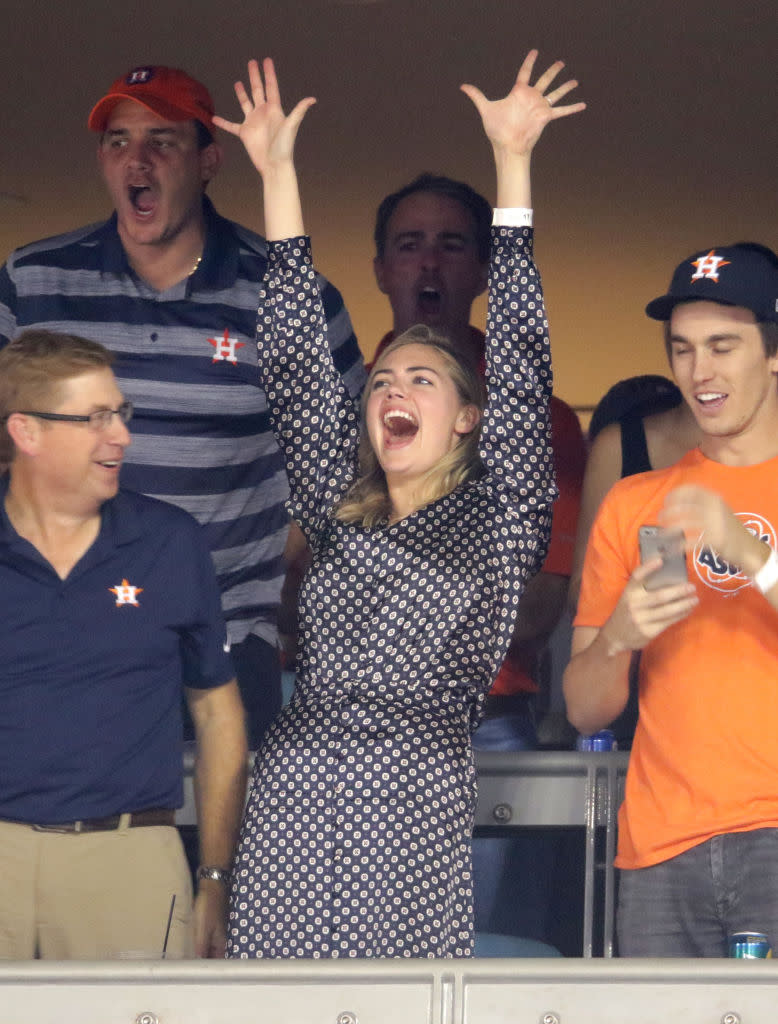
[427, 510]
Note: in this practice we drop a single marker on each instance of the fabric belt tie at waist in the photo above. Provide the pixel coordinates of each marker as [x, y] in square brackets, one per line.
[137, 819]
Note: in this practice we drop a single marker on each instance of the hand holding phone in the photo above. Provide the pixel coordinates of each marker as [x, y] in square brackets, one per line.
[670, 546]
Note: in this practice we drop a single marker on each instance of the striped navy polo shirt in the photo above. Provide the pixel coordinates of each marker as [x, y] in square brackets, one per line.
[187, 359]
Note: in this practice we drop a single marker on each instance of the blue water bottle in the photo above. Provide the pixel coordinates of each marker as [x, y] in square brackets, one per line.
[599, 741]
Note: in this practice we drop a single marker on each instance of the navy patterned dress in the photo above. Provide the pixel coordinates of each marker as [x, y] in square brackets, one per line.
[356, 839]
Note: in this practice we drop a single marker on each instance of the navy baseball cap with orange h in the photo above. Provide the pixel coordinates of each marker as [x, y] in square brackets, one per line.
[745, 274]
[168, 92]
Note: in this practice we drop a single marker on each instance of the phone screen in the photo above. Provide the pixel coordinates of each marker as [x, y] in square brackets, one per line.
[670, 546]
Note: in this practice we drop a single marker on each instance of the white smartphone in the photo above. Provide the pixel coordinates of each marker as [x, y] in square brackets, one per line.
[670, 546]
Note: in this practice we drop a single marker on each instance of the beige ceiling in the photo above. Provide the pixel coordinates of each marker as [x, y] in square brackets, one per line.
[678, 149]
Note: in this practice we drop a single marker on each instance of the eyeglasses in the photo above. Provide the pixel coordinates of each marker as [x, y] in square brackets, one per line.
[98, 421]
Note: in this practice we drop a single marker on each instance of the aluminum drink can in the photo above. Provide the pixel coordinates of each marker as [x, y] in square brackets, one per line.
[599, 741]
[749, 946]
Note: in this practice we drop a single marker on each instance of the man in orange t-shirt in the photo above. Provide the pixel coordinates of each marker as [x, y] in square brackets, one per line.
[698, 830]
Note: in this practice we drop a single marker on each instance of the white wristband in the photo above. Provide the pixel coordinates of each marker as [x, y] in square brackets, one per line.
[767, 576]
[512, 217]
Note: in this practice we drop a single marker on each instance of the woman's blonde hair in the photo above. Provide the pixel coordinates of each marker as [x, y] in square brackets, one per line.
[367, 500]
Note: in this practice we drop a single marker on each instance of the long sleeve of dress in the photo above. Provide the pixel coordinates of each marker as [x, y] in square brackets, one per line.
[515, 439]
[315, 420]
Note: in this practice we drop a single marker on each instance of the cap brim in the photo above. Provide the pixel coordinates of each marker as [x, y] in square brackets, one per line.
[662, 308]
[101, 112]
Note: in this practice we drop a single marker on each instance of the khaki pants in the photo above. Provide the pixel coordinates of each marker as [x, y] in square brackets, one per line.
[94, 895]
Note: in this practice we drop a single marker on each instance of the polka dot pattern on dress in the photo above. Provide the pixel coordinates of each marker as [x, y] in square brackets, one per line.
[356, 840]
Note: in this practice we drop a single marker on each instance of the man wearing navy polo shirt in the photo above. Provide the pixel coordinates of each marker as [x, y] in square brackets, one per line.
[110, 606]
[171, 288]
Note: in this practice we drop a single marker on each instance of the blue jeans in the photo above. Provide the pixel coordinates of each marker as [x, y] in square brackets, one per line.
[690, 904]
[512, 731]
[509, 871]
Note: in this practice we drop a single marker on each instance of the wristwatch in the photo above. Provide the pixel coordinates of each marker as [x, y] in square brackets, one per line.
[213, 874]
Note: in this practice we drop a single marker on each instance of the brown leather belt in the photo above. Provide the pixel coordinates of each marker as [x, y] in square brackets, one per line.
[138, 819]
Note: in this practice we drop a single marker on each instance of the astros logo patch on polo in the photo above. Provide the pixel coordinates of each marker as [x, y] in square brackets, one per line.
[709, 266]
[719, 575]
[126, 593]
[226, 347]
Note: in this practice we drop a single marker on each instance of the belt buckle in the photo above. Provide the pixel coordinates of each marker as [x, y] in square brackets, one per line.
[76, 826]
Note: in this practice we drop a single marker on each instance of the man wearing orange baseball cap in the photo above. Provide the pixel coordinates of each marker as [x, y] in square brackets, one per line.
[168, 92]
[171, 287]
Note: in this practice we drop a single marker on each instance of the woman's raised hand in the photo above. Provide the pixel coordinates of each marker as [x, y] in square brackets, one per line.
[268, 136]
[515, 123]
[267, 133]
